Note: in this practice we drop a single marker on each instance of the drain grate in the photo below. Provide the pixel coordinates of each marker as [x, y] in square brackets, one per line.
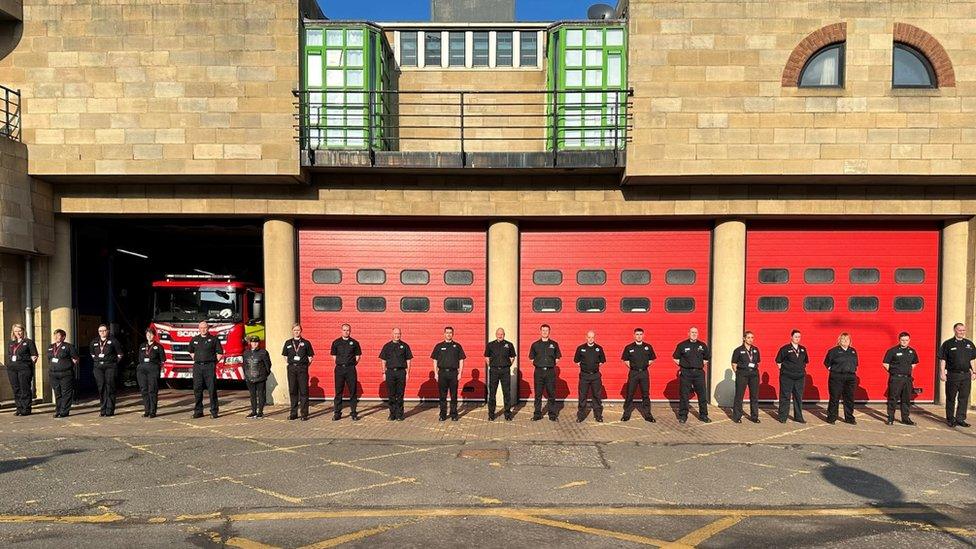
[488, 454]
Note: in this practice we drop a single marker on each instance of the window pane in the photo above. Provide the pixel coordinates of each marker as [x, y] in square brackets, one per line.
[314, 64]
[818, 304]
[680, 276]
[313, 37]
[479, 49]
[818, 276]
[415, 304]
[547, 278]
[354, 78]
[635, 305]
[414, 277]
[774, 276]
[326, 276]
[408, 49]
[456, 52]
[333, 58]
[909, 276]
[327, 304]
[679, 304]
[591, 305]
[911, 68]
[594, 58]
[862, 304]
[594, 37]
[574, 58]
[371, 304]
[432, 49]
[354, 37]
[547, 304]
[909, 304]
[615, 37]
[333, 79]
[865, 276]
[354, 58]
[594, 79]
[458, 305]
[823, 69]
[574, 37]
[458, 278]
[591, 277]
[333, 37]
[574, 78]
[371, 276]
[528, 48]
[503, 49]
[635, 277]
[614, 70]
[773, 304]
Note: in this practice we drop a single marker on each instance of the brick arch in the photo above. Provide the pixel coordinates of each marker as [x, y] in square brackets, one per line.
[931, 48]
[831, 34]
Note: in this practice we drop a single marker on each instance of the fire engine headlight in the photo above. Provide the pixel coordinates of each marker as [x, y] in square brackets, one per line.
[234, 360]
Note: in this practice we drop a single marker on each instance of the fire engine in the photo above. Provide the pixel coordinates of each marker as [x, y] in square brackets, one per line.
[234, 309]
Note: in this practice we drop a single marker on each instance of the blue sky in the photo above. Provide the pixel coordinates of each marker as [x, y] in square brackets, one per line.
[419, 10]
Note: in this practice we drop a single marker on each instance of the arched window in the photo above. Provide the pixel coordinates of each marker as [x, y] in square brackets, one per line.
[911, 69]
[825, 68]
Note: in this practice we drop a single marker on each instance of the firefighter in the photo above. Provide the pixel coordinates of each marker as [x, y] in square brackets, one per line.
[499, 358]
[299, 354]
[638, 356]
[106, 353]
[841, 360]
[692, 357]
[63, 359]
[590, 356]
[792, 360]
[956, 357]
[396, 356]
[205, 350]
[544, 354]
[151, 358]
[347, 353]
[899, 361]
[448, 357]
[745, 360]
[257, 368]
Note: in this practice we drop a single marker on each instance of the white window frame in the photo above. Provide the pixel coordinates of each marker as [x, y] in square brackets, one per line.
[421, 33]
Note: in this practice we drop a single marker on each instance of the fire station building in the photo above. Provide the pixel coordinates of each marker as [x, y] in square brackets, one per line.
[727, 165]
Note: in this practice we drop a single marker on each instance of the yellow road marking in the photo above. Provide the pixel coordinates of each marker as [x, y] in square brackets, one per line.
[67, 519]
[359, 489]
[573, 484]
[140, 448]
[706, 532]
[356, 536]
[413, 451]
[633, 538]
[244, 543]
[488, 501]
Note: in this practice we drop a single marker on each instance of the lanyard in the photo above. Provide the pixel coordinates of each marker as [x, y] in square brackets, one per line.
[57, 350]
[294, 346]
[149, 349]
[751, 353]
[17, 347]
[101, 347]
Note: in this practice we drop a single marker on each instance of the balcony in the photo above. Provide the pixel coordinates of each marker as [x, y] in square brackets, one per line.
[10, 113]
[460, 130]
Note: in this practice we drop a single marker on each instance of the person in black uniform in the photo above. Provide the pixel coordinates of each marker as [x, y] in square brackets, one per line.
[544, 354]
[590, 356]
[499, 357]
[347, 353]
[745, 360]
[299, 353]
[900, 361]
[842, 363]
[151, 359]
[792, 359]
[106, 353]
[20, 370]
[205, 350]
[448, 358]
[956, 356]
[257, 368]
[638, 356]
[692, 357]
[63, 358]
[396, 356]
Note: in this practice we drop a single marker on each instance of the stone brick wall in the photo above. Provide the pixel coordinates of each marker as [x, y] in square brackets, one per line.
[26, 223]
[710, 96]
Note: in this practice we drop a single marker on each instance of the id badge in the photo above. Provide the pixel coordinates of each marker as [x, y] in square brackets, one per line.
[55, 360]
[13, 358]
[296, 358]
[101, 355]
[752, 365]
[145, 360]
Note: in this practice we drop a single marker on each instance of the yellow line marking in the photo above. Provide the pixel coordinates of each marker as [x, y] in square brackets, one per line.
[266, 492]
[360, 489]
[204, 516]
[573, 484]
[413, 451]
[69, 519]
[925, 526]
[706, 532]
[140, 448]
[954, 473]
[244, 543]
[356, 536]
[633, 538]
[488, 501]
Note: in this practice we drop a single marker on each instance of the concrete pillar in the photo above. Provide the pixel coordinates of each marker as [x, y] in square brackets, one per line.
[503, 287]
[60, 284]
[280, 299]
[727, 307]
[955, 271]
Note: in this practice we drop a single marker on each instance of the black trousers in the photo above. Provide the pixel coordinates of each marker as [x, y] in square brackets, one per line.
[396, 384]
[148, 377]
[204, 376]
[20, 376]
[105, 381]
[790, 386]
[545, 379]
[899, 393]
[501, 376]
[638, 379]
[298, 389]
[592, 385]
[447, 381]
[841, 387]
[958, 385]
[746, 378]
[258, 391]
[63, 384]
[692, 379]
[345, 378]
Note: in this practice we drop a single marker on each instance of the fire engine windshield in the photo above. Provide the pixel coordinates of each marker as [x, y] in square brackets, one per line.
[194, 305]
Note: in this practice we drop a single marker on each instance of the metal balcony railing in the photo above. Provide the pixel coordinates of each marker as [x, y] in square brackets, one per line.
[10, 111]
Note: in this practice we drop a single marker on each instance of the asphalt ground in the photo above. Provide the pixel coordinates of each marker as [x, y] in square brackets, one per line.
[174, 481]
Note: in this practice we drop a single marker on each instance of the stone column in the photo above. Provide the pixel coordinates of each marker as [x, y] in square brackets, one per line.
[503, 287]
[955, 271]
[727, 307]
[280, 299]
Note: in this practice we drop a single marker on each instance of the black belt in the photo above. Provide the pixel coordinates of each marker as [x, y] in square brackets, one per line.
[499, 367]
[745, 369]
[544, 367]
[346, 364]
[692, 368]
[959, 371]
[395, 369]
[901, 375]
[639, 369]
[106, 363]
[451, 369]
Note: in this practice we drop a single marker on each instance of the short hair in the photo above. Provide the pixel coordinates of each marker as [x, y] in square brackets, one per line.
[296, 325]
[446, 328]
[149, 330]
[904, 334]
[545, 326]
[958, 324]
[747, 333]
[100, 326]
[842, 336]
[794, 332]
[254, 339]
[62, 332]
[345, 325]
[641, 330]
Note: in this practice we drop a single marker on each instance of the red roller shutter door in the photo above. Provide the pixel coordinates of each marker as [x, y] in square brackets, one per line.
[438, 276]
[624, 258]
[884, 281]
